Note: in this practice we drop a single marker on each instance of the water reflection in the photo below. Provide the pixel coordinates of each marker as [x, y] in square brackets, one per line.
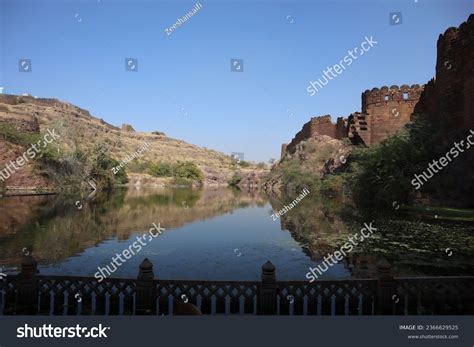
[222, 234]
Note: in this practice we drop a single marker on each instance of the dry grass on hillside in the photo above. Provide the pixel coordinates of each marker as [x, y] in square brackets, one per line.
[81, 131]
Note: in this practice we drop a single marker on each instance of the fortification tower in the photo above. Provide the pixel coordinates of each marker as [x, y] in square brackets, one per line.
[384, 111]
[455, 73]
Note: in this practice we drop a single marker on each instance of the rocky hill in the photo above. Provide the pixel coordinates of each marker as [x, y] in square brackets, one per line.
[80, 131]
[310, 161]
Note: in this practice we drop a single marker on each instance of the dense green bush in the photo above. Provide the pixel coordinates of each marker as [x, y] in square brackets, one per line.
[296, 178]
[188, 170]
[184, 170]
[382, 174]
[235, 180]
[160, 169]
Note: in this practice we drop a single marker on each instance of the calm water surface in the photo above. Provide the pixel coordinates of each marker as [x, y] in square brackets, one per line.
[217, 234]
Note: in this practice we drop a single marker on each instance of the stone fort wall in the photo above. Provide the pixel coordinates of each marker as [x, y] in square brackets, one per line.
[384, 111]
[448, 98]
[317, 126]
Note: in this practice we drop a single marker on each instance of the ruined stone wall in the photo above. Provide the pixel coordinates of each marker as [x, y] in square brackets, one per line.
[316, 126]
[359, 131]
[21, 99]
[341, 128]
[386, 110]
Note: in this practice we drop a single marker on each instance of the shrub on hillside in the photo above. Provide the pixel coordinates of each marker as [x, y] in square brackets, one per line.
[11, 134]
[182, 170]
[160, 169]
[188, 170]
[244, 163]
[102, 168]
[235, 180]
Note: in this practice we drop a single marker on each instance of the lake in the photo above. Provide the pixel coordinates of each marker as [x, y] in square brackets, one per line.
[223, 234]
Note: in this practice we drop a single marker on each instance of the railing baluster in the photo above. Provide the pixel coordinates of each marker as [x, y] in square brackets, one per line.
[298, 305]
[86, 303]
[114, 304]
[340, 302]
[220, 301]
[99, 307]
[326, 303]
[206, 304]
[249, 306]
[353, 305]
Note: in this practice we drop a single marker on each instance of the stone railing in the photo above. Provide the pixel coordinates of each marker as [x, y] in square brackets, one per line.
[29, 293]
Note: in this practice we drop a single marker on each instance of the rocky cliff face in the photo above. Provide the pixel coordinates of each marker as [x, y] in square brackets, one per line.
[315, 157]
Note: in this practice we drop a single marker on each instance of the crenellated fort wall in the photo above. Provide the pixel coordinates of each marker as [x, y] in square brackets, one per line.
[448, 98]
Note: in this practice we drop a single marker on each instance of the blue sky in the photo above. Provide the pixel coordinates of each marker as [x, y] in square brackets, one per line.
[184, 85]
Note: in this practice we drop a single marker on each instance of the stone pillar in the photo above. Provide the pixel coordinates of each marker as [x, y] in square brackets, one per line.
[385, 288]
[267, 298]
[145, 291]
[26, 302]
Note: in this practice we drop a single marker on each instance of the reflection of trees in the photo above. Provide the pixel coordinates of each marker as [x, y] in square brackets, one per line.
[55, 228]
[314, 222]
[409, 244]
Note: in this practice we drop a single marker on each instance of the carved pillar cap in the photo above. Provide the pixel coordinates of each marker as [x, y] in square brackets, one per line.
[384, 268]
[268, 272]
[29, 266]
[146, 270]
[268, 266]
